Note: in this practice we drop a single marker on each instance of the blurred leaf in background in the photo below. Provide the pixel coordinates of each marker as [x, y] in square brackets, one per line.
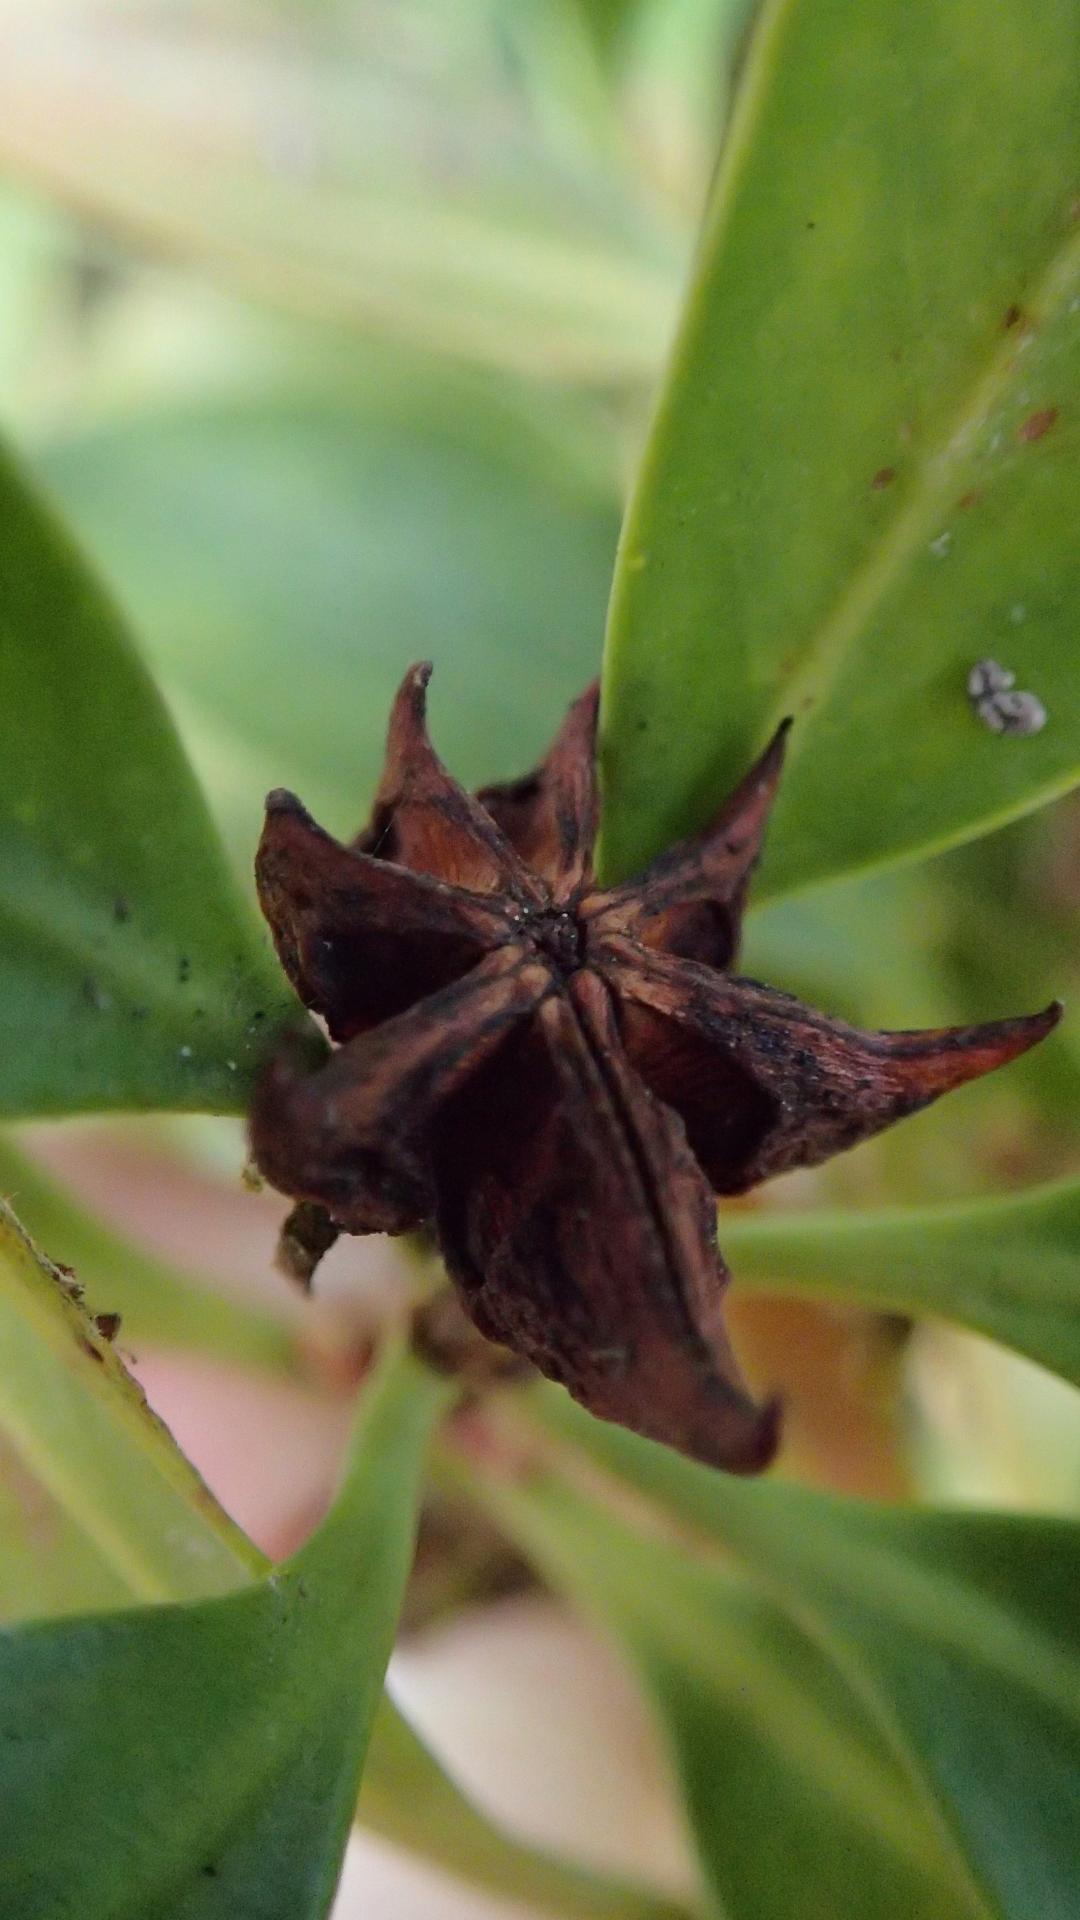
[287, 555]
[756, 1714]
[964, 1664]
[124, 1585]
[387, 166]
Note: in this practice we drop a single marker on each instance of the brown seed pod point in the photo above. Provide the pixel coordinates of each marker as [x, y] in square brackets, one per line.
[562, 1076]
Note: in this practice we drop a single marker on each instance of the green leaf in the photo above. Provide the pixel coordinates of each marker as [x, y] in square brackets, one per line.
[985, 1427]
[205, 1759]
[97, 1506]
[939, 944]
[1009, 937]
[858, 482]
[957, 1630]
[31, 295]
[606, 18]
[793, 1796]
[159, 1305]
[1007, 1268]
[98, 1509]
[131, 973]
[868, 950]
[408, 1799]
[287, 557]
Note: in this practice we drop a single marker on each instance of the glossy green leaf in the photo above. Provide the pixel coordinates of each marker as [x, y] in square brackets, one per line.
[859, 481]
[408, 193]
[159, 1305]
[288, 557]
[132, 975]
[97, 1506]
[1007, 1268]
[409, 1800]
[795, 1801]
[205, 1758]
[957, 1631]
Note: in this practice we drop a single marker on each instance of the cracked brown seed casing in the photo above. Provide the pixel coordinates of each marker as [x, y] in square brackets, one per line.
[561, 1076]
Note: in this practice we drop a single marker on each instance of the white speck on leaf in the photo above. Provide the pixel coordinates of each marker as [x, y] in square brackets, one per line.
[1001, 709]
[940, 547]
[986, 677]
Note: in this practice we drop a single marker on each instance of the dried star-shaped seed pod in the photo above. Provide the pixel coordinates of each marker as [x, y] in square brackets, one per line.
[562, 1076]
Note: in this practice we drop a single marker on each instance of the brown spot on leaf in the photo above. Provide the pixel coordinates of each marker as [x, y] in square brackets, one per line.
[1013, 316]
[969, 499]
[883, 478]
[65, 1277]
[1036, 425]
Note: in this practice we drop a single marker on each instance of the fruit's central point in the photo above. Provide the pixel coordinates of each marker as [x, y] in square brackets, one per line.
[559, 936]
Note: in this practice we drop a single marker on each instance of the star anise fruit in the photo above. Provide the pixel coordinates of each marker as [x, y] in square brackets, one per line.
[561, 1076]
